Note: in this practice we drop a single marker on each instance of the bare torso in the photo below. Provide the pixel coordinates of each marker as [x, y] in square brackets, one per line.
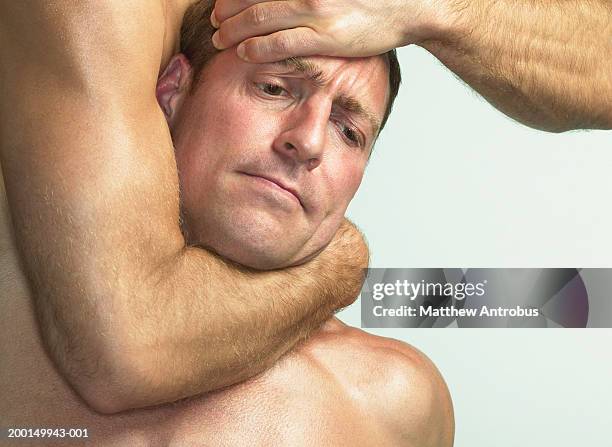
[336, 389]
[321, 394]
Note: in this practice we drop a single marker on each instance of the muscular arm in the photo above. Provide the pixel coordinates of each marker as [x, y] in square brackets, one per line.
[545, 63]
[129, 314]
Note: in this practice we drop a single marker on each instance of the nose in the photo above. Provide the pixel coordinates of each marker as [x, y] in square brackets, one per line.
[304, 135]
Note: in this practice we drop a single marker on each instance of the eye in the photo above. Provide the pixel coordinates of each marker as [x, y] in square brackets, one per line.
[271, 89]
[350, 134]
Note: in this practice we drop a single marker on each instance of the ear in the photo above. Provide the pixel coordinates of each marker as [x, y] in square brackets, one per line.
[173, 85]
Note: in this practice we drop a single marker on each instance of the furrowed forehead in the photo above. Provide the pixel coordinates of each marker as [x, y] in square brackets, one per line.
[307, 67]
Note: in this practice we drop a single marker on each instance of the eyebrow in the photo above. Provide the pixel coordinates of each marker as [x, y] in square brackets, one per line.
[352, 105]
[314, 74]
[310, 71]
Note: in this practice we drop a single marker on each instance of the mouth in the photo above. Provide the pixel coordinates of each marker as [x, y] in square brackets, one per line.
[276, 183]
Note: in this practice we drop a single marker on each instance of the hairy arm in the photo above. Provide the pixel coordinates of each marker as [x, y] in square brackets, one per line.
[130, 315]
[546, 64]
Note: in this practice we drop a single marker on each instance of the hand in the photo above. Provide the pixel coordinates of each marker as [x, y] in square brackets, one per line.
[269, 31]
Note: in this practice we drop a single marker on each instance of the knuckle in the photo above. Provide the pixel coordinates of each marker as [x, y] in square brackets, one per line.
[257, 15]
[220, 9]
[312, 5]
[282, 44]
[253, 48]
[285, 9]
[222, 35]
[307, 41]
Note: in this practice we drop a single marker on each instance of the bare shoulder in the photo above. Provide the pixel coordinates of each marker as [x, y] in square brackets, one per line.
[391, 381]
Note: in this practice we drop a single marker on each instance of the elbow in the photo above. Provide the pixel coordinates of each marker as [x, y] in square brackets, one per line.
[102, 399]
[607, 122]
[558, 122]
[113, 389]
[115, 393]
[111, 380]
[552, 126]
[101, 358]
[601, 121]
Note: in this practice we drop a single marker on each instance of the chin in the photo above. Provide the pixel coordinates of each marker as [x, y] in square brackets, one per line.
[262, 263]
[269, 255]
[255, 250]
[251, 238]
[254, 257]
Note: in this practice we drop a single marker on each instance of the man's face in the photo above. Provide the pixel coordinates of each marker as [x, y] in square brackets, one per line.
[269, 156]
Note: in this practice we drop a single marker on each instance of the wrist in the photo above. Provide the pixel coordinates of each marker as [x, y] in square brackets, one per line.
[339, 270]
[441, 21]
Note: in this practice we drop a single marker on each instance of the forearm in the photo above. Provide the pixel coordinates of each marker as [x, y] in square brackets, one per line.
[546, 64]
[206, 324]
[129, 314]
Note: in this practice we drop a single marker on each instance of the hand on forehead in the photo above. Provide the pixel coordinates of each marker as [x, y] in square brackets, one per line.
[267, 31]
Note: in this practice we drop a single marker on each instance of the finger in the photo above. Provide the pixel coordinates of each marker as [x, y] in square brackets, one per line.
[258, 20]
[282, 45]
[224, 9]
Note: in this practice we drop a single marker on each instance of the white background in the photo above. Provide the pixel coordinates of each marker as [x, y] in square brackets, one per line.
[454, 183]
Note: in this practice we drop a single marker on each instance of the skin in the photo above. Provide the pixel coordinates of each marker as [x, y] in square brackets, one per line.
[342, 386]
[544, 64]
[294, 130]
[93, 193]
[468, 39]
[562, 82]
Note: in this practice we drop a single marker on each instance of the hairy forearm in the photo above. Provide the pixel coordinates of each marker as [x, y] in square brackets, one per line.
[129, 314]
[545, 63]
[206, 324]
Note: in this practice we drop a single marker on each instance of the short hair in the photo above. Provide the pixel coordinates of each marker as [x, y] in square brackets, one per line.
[196, 45]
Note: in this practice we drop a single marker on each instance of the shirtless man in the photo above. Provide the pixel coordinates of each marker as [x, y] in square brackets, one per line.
[234, 126]
[472, 62]
[76, 257]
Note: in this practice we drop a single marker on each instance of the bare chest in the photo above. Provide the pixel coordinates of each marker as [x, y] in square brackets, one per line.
[292, 404]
